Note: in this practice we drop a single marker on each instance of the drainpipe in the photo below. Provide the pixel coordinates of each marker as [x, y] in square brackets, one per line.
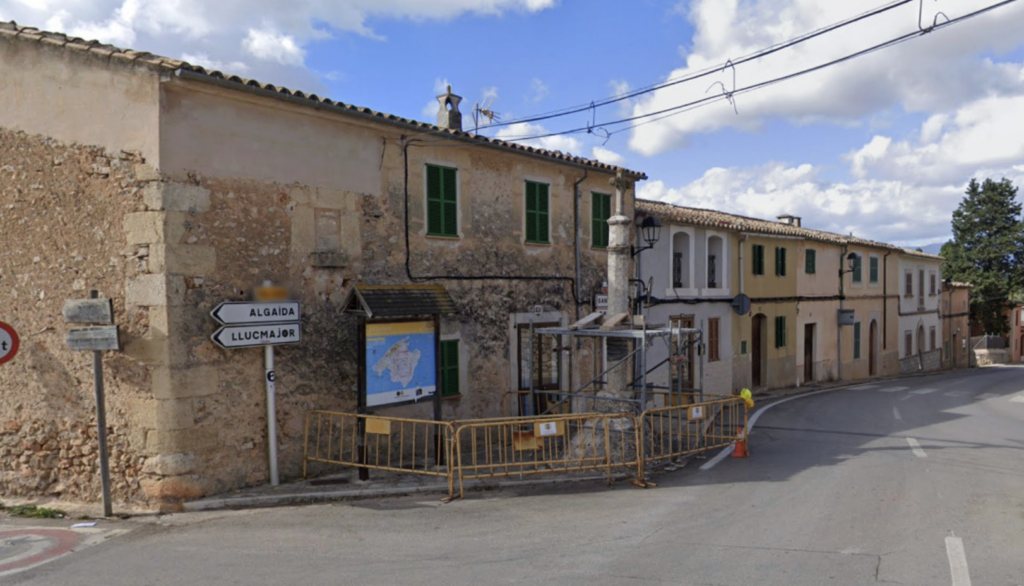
[839, 328]
[576, 221]
[885, 299]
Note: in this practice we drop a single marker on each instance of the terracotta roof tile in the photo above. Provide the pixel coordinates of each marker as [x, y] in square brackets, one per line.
[168, 64]
[715, 219]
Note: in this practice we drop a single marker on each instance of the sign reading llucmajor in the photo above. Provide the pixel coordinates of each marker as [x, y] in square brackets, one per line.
[400, 362]
[247, 312]
[249, 336]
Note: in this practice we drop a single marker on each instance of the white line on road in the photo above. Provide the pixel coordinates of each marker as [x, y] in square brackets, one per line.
[916, 447]
[864, 387]
[957, 561]
[955, 394]
[986, 396]
[923, 391]
[892, 389]
[896, 412]
[1017, 399]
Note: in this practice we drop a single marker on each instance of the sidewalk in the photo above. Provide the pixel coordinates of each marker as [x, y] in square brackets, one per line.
[345, 485]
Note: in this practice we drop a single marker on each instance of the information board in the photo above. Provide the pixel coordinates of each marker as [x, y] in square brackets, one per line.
[400, 362]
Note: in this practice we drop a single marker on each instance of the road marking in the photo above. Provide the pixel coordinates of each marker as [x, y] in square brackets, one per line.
[923, 391]
[864, 387]
[896, 412]
[892, 389]
[916, 447]
[957, 561]
[986, 396]
[1017, 399]
[955, 394]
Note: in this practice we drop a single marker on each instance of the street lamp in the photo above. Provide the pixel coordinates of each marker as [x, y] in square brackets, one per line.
[851, 261]
[650, 230]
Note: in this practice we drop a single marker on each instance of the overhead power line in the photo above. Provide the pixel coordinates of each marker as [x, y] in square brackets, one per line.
[729, 95]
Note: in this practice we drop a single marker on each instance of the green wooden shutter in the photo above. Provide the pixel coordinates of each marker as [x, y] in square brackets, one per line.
[450, 217]
[449, 368]
[874, 270]
[434, 201]
[856, 341]
[856, 269]
[758, 259]
[542, 213]
[811, 261]
[600, 209]
[780, 261]
[780, 331]
[531, 211]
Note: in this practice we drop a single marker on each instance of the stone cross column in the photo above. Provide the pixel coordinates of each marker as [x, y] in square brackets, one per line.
[618, 279]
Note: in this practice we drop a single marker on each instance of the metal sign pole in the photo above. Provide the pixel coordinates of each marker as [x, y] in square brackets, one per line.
[271, 379]
[101, 425]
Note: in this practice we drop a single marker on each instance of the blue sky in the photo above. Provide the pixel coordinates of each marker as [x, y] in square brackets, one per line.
[881, 146]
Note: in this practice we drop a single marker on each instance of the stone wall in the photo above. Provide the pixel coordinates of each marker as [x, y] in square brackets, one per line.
[925, 362]
[61, 214]
[989, 357]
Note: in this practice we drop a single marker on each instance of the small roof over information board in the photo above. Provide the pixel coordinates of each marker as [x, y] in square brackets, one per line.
[382, 301]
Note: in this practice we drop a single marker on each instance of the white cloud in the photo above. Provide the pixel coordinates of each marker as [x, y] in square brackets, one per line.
[608, 156]
[233, 31]
[204, 60]
[937, 71]
[520, 131]
[271, 46]
[538, 91]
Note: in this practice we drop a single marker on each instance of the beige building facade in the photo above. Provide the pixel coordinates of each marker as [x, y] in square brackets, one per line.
[170, 189]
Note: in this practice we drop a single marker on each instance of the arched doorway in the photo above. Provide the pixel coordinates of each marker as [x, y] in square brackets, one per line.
[873, 349]
[758, 349]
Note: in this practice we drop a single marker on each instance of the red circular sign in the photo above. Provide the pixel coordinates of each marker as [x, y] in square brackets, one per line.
[8, 342]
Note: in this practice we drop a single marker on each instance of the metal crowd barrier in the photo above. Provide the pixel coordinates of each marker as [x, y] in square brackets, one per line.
[411, 446]
[522, 446]
[673, 432]
[546, 444]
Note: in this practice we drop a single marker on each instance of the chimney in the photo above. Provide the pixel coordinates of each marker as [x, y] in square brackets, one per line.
[448, 116]
[788, 219]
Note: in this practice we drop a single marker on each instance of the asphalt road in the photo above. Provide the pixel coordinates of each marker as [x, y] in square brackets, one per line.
[917, 482]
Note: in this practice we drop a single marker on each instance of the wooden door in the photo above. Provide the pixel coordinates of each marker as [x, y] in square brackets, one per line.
[808, 353]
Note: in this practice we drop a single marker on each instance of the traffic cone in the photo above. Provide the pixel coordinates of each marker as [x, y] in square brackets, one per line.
[740, 451]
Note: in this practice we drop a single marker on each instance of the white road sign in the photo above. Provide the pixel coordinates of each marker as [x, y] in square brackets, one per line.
[247, 312]
[257, 335]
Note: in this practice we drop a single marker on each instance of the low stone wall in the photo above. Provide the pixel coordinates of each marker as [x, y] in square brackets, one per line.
[988, 357]
[925, 362]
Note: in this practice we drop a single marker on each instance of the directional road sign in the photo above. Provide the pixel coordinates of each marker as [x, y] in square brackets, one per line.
[8, 342]
[247, 312]
[257, 335]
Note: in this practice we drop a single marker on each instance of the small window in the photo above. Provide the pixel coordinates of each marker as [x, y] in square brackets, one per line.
[908, 345]
[758, 260]
[442, 204]
[931, 283]
[858, 262]
[873, 270]
[856, 341]
[908, 290]
[537, 213]
[449, 368]
[743, 347]
[810, 261]
[780, 331]
[600, 211]
[931, 338]
[780, 261]
[713, 339]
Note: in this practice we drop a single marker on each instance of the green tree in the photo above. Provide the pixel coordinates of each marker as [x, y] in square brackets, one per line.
[987, 250]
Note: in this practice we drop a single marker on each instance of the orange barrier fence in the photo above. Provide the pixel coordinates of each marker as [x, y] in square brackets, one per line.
[672, 432]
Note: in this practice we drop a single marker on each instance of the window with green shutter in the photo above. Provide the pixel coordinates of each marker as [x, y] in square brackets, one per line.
[442, 204]
[537, 212]
[858, 261]
[780, 331]
[856, 341]
[810, 261]
[873, 269]
[449, 368]
[758, 260]
[600, 211]
[780, 261]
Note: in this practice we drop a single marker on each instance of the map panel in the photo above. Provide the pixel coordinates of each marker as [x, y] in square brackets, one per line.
[400, 362]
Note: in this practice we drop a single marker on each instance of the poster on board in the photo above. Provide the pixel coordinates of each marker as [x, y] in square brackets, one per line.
[400, 363]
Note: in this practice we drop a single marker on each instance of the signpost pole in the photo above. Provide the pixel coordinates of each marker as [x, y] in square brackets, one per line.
[101, 425]
[271, 378]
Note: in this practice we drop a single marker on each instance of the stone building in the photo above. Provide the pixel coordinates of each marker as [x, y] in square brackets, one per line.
[169, 189]
[956, 315]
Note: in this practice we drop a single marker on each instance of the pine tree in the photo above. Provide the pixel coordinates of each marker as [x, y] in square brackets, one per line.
[987, 250]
